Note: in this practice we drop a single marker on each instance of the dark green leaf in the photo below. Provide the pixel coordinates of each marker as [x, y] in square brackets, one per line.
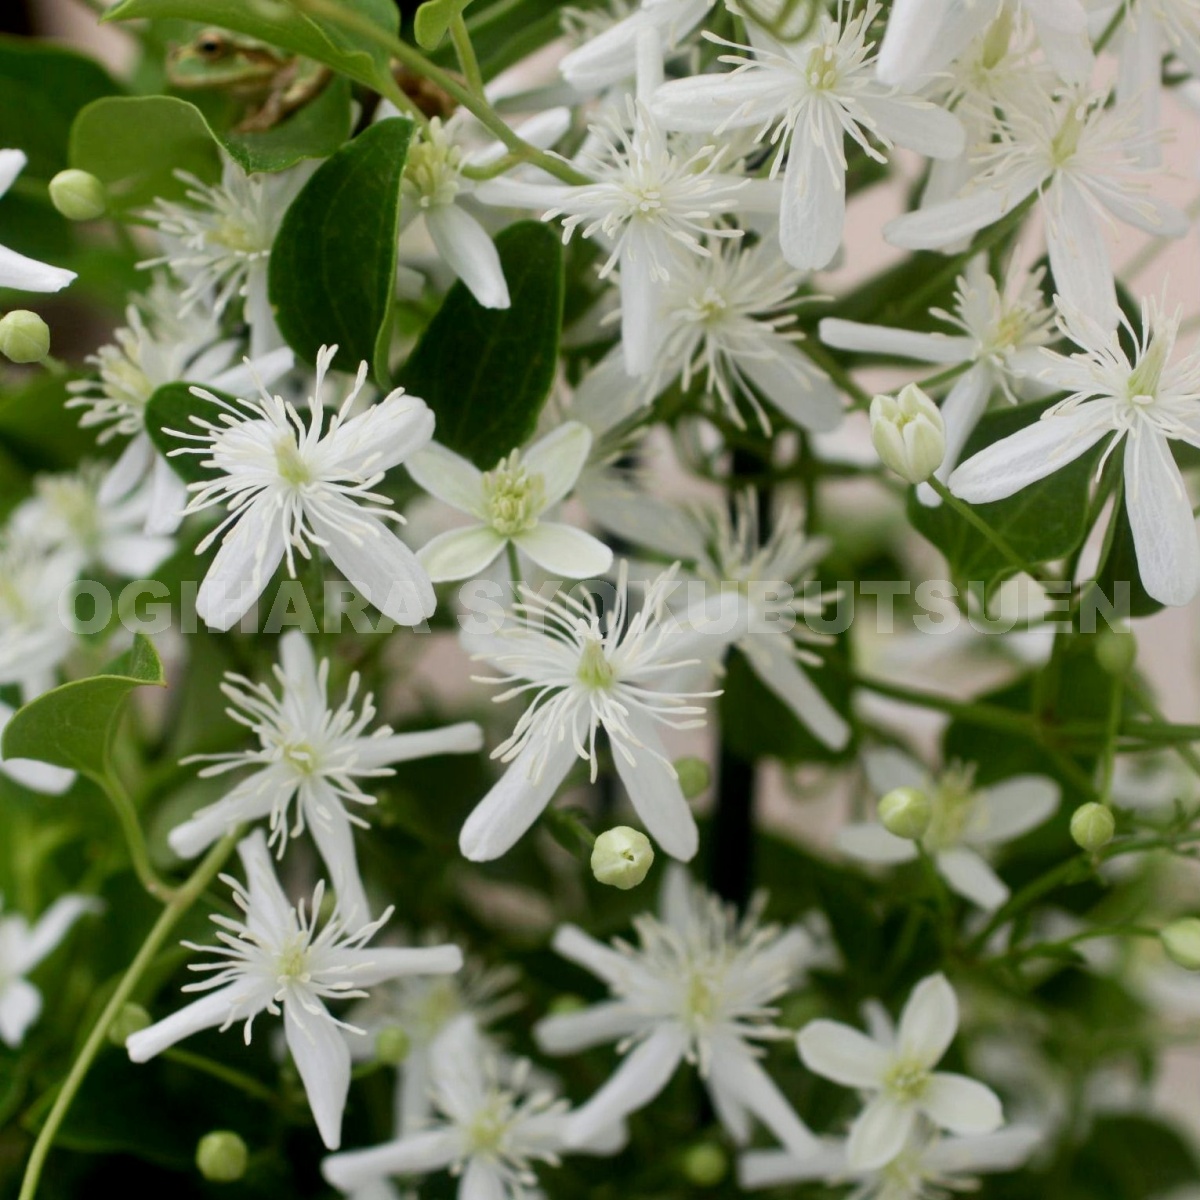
[169, 412]
[433, 19]
[349, 51]
[1131, 1157]
[1043, 522]
[73, 725]
[486, 372]
[333, 266]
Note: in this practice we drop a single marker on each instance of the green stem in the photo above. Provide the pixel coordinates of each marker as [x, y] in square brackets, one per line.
[976, 522]
[514, 567]
[466, 54]
[1110, 29]
[230, 1075]
[135, 839]
[817, 354]
[180, 903]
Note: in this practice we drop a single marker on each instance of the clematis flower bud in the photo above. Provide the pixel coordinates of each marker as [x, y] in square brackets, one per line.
[24, 336]
[221, 1156]
[1092, 826]
[78, 195]
[905, 812]
[392, 1045]
[908, 433]
[705, 1164]
[130, 1020]
[622, 857]
[694, 776]
[1181, 941]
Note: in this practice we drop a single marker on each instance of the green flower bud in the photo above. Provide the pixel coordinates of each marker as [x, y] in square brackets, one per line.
[392, 1045]
[906, 812]
[1181, 941]
[908, 433]
[694, 776]
[24, 336]
[705, 1164]
[78, 195]
[622, 857]
[1116, 651]
[1092, 826]
[221, 1156]
[565, 1004]
[132, 1018]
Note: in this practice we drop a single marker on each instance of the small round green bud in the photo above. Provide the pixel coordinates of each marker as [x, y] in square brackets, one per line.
[622, 857]
[705, 1164]
[392, 1045]
[1092, 826]
[565, 1004]
[221, 1156]
[694, 776]
[906, 812]
[78, 195]
[24, 336]
[132, 1018]
[1181, 941]
[1116, 651]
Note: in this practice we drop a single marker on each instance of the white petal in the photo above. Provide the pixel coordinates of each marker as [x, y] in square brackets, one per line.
[814, 199]
[449, 477]
[38, 776]
[794, 386]
[1012, 808]
[12, 163]
[562, 550]
[1030, 454]
[51, 927]
[879, 1133]
[244, 564]
[515, 801]
[416, 1154]
[334, 837]
[558, 458]
[168, 499]
[903, 343]
[29, 275]
[460, 553]
[482, 1181]
[240, 379]
[1160, 516]
[961, 411]
[971, 877]
[1079, 254]
[381, 436]
[842, 1053]
[20, 1006]
[740, 1073]
[777, 667]
[929, 1021]
[771, 1168]
[1147, 212]
[1062, 28]
[950, 221]
[914, 30]
[463, 737]
[640, 301]
[249, 801]
[1004, 1150]
[655, 793]
[961, 1105]
[468, 251]
[383, 568]
[323, 1059]
[872, 843]
[602, 960]
[888, 767]
[210, 1011]
[128, 471]
[570, 1033]
[376, 964]
[643, 1073]
[702, 103]
[607, 396]
[918, 125]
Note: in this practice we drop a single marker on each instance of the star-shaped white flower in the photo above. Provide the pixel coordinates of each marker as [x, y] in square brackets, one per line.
[294, 487]
[1144, 400]
[586, 674]
[965, 821]
[810, 95]
[21, 949]
[508, 504]
[17, 271]
[308, 764]
[276, 960]
[897, 1073]
[698, 987]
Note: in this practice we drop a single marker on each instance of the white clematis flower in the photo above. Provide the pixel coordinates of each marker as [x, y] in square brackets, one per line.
[1071, 153]
[898, 1074]
[586, 674]
[929, 1165]
[1002, 331]
[924, 36]
[159, 346]
[811, 95]
[17, 271]
[508, 503]
[290, 486]
[966, 819]
[308, 765]
[276, 960]
[21, 949]
[492, 1125]
[697, 988]
[1144, 401]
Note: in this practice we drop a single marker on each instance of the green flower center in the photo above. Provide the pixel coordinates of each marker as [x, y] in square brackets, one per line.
[952, 799]
[292, 964]
[906, 1081]
[291, 466]
[822, 68]
[514, 496]
[595, 671]
[432, 167]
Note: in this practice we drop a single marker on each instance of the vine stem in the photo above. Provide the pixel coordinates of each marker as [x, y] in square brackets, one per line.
[135, 840]
[182, 900]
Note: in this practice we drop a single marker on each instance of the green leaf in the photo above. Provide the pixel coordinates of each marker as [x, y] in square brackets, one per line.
[42, 87]
[433, 19]
[73, 725]
[486, 372]
[1130, 1157]
[135, 144]
[1045, 521]
[333, 266]
[348, 51]
[169, 413]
